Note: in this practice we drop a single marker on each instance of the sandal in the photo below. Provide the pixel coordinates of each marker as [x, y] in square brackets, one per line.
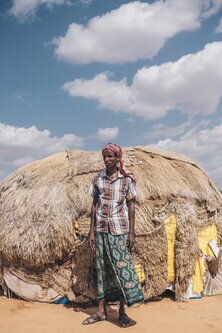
[124, 320]
[94, 318]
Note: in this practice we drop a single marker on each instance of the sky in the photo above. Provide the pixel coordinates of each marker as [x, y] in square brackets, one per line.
[76, 74]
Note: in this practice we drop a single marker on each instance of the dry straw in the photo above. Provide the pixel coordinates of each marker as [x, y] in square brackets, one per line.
[41, 203]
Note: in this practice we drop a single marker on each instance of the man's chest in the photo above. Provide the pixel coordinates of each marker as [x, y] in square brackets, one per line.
[112, 190]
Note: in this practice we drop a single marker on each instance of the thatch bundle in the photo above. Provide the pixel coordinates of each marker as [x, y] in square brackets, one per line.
[41, 203]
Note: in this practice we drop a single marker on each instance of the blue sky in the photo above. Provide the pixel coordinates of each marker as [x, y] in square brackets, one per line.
[76, 74]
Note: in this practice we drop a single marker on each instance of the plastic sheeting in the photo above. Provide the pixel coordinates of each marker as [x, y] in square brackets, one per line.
[30, 292]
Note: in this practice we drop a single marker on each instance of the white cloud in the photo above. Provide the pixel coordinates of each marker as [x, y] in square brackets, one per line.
[211, 7]
[136, 30]
[25, 9]
[106, 134]
[2, 173]
[191, 85]
[20, 145]
[162, 131]
[86, 2]
[22, 161]
[203, 145]
[20, 96]
[130, 120]
[219, 27]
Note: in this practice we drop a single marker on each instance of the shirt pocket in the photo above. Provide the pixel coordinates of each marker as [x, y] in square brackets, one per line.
[120, 196]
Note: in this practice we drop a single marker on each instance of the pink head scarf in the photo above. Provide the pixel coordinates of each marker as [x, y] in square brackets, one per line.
[119, 153]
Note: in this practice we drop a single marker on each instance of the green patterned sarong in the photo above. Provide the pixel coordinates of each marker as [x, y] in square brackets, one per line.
[116, 275]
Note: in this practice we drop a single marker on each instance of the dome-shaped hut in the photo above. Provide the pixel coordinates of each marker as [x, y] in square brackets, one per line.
[44, 217]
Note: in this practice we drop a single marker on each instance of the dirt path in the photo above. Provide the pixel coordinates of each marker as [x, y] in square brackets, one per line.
[195, 316]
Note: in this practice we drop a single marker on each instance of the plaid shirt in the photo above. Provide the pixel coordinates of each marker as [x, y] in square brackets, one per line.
[112, 210]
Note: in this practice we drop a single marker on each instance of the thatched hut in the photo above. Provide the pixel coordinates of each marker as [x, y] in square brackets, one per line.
[44, 216]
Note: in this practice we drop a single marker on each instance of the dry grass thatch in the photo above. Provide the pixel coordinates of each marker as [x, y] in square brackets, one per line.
[40, 203]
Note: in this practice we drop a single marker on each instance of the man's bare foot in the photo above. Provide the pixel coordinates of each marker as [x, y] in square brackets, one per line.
[124, 320]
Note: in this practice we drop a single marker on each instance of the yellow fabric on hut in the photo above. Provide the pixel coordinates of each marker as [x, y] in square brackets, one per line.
[170, 226]
[204, 236]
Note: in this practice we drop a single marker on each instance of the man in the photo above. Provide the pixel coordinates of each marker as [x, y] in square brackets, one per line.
[112, 233]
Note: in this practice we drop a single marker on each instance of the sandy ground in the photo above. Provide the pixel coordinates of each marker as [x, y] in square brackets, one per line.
[196, 316]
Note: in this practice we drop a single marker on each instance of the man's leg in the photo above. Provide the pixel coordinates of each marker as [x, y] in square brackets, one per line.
[123, 318]
[101, 313]
[123, 266]
[102, 308]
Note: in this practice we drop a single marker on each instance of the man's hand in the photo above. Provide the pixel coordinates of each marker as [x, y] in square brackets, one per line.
[91, 235]
[91, 240]
[131, 240]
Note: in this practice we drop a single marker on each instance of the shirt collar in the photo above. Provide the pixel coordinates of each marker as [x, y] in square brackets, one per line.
[119, 175]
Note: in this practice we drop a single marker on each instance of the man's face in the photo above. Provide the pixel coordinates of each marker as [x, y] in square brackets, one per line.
[109, 158]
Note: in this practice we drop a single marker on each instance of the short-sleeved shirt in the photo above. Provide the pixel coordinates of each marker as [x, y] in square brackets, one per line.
[112, 210]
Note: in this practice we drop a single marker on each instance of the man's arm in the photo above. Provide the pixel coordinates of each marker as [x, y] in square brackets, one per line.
[91, 236]
[131, 210]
